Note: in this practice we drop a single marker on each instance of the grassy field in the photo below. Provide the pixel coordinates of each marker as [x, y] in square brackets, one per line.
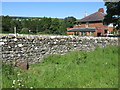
[77, 69]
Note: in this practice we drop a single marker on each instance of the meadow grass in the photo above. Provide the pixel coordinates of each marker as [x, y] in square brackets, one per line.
[76, 69]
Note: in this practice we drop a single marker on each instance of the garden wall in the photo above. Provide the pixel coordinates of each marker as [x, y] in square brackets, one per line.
[33, 48]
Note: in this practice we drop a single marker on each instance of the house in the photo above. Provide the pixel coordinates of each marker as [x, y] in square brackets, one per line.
[91, 25]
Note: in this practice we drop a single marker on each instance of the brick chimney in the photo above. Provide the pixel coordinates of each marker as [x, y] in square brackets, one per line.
[101, 10]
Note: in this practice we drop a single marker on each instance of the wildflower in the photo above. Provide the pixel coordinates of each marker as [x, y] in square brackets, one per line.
[19, 84]
[18, 80]
[88, 84]
[22, 85]
[13, 81]
[18, 74]
[31, 87]
[12, 86]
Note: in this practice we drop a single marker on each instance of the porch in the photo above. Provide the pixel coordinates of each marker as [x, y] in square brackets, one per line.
[82, 31]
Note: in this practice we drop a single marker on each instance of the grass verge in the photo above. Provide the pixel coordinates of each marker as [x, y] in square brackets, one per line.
[77, 69]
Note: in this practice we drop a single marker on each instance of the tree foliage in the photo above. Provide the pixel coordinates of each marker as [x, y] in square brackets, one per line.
[24, 30]
[69, 21]
[113, 13]
[54, 28]
[37, 25]
[6, 25]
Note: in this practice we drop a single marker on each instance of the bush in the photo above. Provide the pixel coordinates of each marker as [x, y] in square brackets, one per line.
[24, 31]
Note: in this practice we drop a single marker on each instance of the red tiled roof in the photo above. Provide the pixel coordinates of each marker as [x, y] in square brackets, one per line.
[97, 16]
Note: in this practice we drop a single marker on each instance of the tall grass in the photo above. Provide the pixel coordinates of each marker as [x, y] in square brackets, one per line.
[77, 69]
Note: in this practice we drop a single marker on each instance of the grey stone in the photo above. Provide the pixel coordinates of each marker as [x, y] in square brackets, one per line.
[36, 47]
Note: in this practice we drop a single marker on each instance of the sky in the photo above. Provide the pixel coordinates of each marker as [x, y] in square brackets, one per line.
[54, 0]
[51, 9]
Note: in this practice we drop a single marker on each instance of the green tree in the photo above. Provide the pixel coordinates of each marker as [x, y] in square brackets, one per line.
[113, 13]
[6, 25]
[62, 27]
[24, 31]
[17, 24]
[44, 25]
[65, 23]
[30, 24]
[33, 25]
[69, 21]
[54, 28]
[24, 23]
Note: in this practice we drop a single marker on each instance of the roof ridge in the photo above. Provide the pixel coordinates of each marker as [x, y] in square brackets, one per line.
[91, 15]
[88, 15]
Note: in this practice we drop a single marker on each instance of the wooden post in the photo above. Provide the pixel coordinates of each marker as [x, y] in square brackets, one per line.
[15, 31]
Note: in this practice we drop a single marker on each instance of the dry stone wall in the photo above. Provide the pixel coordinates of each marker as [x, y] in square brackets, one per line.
[33, 48]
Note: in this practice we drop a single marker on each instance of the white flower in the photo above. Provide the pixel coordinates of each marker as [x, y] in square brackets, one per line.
[18, 80]
[18, 74]
[12, 86]
[22, 85]
[19, 84]
[13, 81]
[31, 87]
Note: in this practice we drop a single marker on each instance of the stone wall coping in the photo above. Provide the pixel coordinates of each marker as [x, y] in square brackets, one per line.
[55, 37]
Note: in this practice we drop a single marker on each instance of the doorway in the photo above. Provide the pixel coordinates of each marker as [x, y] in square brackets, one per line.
[105, 31]
[98, 34]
